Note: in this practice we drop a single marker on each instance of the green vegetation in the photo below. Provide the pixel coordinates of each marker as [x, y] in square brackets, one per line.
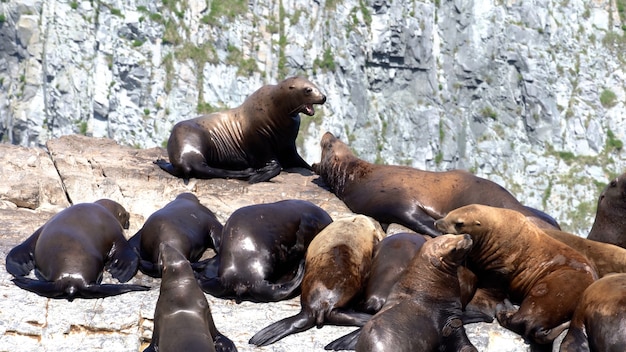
[137, 43]
[82, 127]
[608, 98]
[612, 142]
[327, 63]
[146, 111]
[245, 67]
[230, 9]
[116, 12]
[74, 5]
[489, 112]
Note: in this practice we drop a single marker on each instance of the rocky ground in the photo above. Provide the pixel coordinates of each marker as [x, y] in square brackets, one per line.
[36, 183]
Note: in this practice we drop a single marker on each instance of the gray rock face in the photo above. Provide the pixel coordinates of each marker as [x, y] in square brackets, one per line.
[87, 169]
[528, 94]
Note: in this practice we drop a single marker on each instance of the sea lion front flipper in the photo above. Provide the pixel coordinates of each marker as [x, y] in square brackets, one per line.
[266, 291]
[21, 259]
[123, 262]
[274, 332]
[223, 344]
[345, 342]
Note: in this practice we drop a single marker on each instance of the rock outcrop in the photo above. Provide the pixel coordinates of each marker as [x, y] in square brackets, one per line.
[37, 183]
[529, 94]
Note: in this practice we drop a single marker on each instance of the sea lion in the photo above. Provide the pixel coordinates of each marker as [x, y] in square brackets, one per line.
[412, 197]
[599, 322]
[182, 317]
[261, 255]
[337, 263]
[605, 257]
[424, 309]
[184, 224]
[71, 250]
[541, 274]
[391, 256]
[609, 225]
[250, 142]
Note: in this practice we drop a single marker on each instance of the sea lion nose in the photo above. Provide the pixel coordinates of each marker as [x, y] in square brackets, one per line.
[323, 99]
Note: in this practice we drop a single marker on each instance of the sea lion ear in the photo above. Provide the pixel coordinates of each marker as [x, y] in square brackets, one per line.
[477, 222]
[292, 87]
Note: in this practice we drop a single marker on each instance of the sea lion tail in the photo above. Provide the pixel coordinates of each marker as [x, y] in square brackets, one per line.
[345, 342]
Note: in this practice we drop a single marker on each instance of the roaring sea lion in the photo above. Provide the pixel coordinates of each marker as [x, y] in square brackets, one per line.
[605, 257]
[337, 263]
[543, 275]
[609, 225]
[412, 197]
[424, 308]
[71, 250]
[253, 141]
[599, 322]
[182, 317]
[184, 224]
[261, 255]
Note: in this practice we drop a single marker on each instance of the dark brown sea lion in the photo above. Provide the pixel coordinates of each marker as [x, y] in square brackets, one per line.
[251, 142]
[184, 224]
[337, 263]
[182, 317]
[609, 225]
[605, 257]
[71, 250]
[541, 274]
[391, 256]
[424, 309]
[261, 254]
[412, 197]
[599, 322]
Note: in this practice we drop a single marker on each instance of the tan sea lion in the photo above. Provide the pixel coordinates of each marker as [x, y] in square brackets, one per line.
[609, 225]
[599, 322]
[605, 257]
[337, 264]
[541, 274]
[182, 317]
[71, 250]
[253, 141]
[184, 224]
[408, 196]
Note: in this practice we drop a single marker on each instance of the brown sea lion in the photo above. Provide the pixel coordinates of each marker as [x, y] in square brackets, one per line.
[609, 225]
[605, 257]
[261, 254]
[391, 256]
[184, 224]
[253, 141]
[337, 264]
[541, 274]
[182, 317]
[424, 309]
[71, 250]
[599, 322]
[412, 197]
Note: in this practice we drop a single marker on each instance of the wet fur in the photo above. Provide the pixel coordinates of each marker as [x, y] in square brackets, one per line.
[609, 225]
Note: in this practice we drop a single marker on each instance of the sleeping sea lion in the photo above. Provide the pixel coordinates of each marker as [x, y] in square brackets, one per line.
[71, 250]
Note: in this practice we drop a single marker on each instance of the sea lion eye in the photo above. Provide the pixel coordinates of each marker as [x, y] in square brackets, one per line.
[613, 183]
[308, 90]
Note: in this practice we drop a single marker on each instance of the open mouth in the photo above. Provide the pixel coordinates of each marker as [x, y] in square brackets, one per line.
[308, 109]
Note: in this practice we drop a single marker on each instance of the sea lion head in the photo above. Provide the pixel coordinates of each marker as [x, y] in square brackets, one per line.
[337, 163]
[117, 210]
[614, 193]
[304, 94]
[447, 250]
[170, 258]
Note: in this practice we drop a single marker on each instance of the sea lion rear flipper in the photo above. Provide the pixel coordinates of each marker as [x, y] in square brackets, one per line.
[274, 332]
[271, 169]
[213, 286]
[21, 260]
[345, 342]
[474, 316]
[123, 262]
[108, 290]
[47, 289]
[266, 291]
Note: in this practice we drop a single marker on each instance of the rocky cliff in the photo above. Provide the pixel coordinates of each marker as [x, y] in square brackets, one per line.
[74, 169]
[530, 94]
